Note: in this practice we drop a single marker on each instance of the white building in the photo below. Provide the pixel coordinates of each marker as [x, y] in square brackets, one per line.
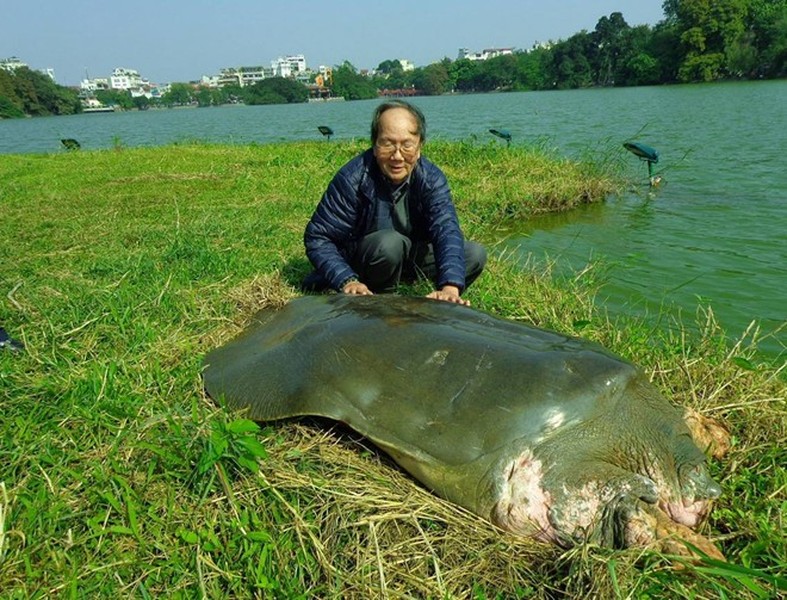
[288, 66]
[127, 79]
[486, 54]
[406, 65]
[252, 75]
[11, 64]
[94, 85]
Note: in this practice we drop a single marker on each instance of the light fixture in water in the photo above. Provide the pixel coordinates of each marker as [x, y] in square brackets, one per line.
[503, 134]
[325, 130]
[649, 155]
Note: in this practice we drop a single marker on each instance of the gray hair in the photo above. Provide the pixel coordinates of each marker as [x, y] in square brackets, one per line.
[420, 120]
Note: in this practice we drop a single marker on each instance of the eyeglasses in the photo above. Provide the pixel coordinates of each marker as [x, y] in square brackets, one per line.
[388, 148]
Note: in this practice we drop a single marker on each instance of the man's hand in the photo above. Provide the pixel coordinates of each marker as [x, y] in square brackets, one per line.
[449, 293]
[356, 288]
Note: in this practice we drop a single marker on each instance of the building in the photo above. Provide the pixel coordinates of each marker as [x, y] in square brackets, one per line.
[289, 66]
[11, 64]
[127, 79]
[93, 85]
[252, 75]
[486, 54]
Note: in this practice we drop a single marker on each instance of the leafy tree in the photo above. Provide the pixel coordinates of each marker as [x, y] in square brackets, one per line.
[203, 97]
[9, 110]
[120, 98]
[391, 75]
[463, 74]
[141, 102]
[635, 63]
[179, 94]
[664, 46]
[708, 28]
[530, 70]
[230, 94]
[35, 93]
[608, 47]
[568, 65]
[768, 27]
[352, 85]
[433, 80]
[276, 90]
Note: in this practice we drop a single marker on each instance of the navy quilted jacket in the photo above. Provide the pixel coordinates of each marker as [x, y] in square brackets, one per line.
[344, 212]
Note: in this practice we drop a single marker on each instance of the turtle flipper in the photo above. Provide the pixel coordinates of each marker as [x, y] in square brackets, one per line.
[596, 506]
[650, 526]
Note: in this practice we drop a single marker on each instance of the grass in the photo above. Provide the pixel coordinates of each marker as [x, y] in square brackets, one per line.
[119, 478]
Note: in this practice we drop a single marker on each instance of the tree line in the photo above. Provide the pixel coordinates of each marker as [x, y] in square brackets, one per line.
[697, 41]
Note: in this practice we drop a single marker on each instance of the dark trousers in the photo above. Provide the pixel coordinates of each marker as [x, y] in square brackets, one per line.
[384, 258]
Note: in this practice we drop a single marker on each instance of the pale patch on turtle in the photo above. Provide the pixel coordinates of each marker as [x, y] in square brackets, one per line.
[523, 505]
[437, 358]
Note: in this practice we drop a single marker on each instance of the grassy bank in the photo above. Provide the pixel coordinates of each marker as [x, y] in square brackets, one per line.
[119, 478]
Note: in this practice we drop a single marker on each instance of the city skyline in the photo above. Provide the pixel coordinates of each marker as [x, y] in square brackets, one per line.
[182, 41]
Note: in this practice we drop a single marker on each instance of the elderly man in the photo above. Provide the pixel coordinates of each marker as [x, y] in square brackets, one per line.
[388, 216]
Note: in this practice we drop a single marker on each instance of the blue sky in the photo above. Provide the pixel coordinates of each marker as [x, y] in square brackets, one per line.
[181, 40]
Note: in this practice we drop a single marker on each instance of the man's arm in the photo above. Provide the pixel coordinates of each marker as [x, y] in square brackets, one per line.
[331, 227]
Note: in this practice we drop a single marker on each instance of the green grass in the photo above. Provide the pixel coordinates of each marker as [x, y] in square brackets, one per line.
[119, 478]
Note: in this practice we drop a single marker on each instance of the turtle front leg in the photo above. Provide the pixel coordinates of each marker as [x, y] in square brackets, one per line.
[650, 526]
[607, 505]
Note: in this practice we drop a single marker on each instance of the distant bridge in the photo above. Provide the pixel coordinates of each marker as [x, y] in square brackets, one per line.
[399, 92]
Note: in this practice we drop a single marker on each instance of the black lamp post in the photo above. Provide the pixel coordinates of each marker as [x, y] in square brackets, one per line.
[646, 153]
[325, 130]
[503, 134]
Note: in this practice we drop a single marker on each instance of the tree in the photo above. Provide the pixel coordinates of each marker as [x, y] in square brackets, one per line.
[768, 27]
[120, 98]
[179, 94]
[432, 80]
[141, 102]
[568, 65]
[530, 70]
[35, 93]
[608, 41]
[347, 82]
[463, 75]
[276, 90]
[708, 28]
[9, 110]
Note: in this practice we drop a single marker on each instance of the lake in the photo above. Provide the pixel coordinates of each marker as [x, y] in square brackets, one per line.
[713, 234]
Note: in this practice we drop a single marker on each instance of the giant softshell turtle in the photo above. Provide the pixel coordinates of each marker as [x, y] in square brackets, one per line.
[543, 434]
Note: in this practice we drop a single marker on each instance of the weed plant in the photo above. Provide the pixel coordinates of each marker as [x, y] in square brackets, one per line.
[120, 269]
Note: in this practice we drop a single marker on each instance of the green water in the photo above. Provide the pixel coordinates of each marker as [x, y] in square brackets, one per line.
[714, 235]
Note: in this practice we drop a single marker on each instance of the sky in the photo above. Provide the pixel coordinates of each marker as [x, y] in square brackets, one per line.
[181, 40]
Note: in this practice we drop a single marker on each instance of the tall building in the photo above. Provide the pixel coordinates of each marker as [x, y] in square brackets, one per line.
[288, 66]
[126, 79]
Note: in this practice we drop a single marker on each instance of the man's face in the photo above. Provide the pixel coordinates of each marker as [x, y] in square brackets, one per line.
[398, 146]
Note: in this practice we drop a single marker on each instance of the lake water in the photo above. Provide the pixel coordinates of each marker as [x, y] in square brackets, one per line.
[715, 233]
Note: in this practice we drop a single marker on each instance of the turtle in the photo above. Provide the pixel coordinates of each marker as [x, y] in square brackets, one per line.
[544, 434]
